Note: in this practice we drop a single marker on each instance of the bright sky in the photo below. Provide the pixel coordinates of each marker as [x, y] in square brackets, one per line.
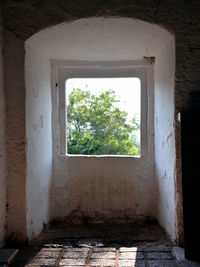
[127, 88]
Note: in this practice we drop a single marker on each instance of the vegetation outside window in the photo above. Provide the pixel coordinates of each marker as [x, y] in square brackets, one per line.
[103, 116]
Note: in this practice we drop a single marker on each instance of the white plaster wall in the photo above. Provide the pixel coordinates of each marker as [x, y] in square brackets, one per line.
[101, 189]
[2, 147]
[164, 136]
[107, 188]
[39, 140]
[100, 39]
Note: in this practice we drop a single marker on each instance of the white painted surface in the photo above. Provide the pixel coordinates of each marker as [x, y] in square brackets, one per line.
[108, 188]
[102, 189]
[2, 148]
[39, 140]
[112, 187]
[100, 39]
[164, 136]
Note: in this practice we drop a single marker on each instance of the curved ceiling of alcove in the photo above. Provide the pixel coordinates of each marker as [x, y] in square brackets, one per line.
[101, 39]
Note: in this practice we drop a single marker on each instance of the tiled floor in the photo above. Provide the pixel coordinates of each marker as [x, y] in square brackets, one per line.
[139, 245]
[132, 256]
[98, 256]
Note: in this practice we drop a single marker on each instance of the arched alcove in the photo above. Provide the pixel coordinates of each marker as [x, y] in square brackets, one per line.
[106, 188]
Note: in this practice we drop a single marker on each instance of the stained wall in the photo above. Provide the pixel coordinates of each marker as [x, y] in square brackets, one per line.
[15, 136]
[2, 146]
[39, 140]
[115, 189]
[164, 136]
[25, 18]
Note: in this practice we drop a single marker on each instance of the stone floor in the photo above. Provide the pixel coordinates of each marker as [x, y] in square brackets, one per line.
[139, 245]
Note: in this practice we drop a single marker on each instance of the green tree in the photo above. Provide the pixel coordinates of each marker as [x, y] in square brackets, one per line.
[96, 125]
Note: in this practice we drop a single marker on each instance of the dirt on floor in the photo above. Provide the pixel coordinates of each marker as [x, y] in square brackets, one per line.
[140, 244]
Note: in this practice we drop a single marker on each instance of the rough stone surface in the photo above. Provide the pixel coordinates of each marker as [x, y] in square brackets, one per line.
[25, 18]
[131, 263]
[130, 249]
[42, 261]
[2, 145]
[102, 262]
[163, 263]
[75, 254]
[156, 249]
[15, 137]
[104, 249]
[159, 255]
[131, 255]
[72, 261]
[103, 255]
[62, 250]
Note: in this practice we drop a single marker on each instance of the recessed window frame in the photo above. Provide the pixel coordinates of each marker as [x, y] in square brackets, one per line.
[63, 70]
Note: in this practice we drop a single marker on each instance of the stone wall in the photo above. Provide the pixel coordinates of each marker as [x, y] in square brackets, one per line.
[15, 136]
[24, 18]
[2, 146]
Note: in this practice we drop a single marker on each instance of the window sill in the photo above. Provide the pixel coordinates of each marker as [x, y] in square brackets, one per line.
[98, 156]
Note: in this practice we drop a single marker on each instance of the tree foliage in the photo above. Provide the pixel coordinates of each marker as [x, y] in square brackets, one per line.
[96, 125]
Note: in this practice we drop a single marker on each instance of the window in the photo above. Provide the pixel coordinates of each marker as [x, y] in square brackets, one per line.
[103, 116]
[70, 76]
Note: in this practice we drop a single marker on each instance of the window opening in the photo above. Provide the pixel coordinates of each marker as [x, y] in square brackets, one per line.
[103, 116]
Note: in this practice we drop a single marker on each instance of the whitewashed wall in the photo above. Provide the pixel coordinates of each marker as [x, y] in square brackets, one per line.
[39, 140]
[113, 188]
[164, 136]
[103, 188]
